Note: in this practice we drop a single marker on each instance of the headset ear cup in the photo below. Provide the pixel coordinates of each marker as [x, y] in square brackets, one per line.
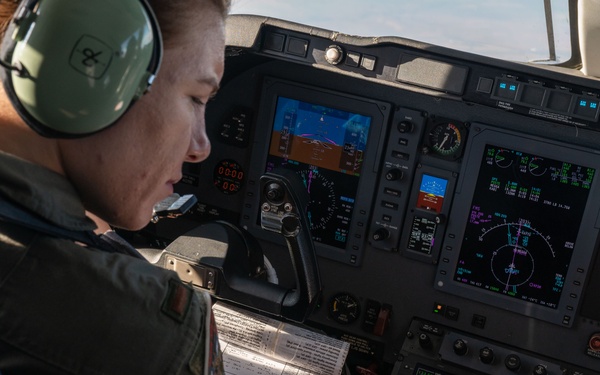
[83, 63]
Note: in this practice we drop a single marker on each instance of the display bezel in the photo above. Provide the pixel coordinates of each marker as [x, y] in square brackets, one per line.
[480, 137]
[379, 112]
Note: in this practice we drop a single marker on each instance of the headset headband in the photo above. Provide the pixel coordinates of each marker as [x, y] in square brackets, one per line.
[76, 66]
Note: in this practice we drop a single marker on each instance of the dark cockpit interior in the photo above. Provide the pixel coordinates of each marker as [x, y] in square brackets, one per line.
[453, 199]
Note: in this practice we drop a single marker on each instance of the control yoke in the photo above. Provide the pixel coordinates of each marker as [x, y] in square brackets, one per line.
[228, 262]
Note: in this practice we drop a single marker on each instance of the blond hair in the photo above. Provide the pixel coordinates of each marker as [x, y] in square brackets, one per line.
[7, 10]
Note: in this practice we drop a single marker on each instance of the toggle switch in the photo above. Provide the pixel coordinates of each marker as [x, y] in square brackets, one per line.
[383, 320]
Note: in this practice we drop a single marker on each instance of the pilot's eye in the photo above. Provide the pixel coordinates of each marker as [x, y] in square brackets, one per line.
[198, 101]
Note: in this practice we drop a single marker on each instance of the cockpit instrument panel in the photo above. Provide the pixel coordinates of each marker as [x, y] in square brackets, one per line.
[453, 198]
[331, 142]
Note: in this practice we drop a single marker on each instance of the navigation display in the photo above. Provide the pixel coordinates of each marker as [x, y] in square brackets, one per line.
[523, 225]
[326, 147]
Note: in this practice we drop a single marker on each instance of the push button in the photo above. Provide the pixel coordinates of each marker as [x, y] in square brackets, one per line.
[352, 59]
[507, 89]
[368, 62]
[297, 47]
[274, 42]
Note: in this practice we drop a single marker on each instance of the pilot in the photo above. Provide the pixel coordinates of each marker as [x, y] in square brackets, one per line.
[102, 102]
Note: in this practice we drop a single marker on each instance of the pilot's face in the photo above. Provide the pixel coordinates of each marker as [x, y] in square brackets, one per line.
[123, 171]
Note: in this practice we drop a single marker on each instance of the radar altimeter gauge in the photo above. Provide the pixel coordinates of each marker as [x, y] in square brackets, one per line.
[446, 139]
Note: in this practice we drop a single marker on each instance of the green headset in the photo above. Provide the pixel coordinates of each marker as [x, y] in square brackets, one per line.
[75, 66]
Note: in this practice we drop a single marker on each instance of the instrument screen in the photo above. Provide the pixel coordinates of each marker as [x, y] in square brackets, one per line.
[326, 147]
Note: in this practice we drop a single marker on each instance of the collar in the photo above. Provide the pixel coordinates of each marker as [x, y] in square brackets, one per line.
[45, 192]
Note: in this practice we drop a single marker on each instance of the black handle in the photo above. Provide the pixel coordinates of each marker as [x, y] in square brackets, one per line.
[283, 203]
[228, 262]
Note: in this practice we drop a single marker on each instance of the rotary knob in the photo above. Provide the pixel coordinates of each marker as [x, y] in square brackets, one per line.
[394, 174]
[460, 347]
[334, 54]
[381, 234]
[405, 126]
[512, 362]
[486, 355]
[425, 341]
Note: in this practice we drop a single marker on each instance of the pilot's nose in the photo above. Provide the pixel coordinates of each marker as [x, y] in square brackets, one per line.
[199, 148]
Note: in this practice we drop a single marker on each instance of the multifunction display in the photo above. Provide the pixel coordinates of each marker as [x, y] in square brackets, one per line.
[326, 147]
[524, 220]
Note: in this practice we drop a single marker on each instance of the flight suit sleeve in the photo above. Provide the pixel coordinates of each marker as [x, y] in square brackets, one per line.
[207, 358]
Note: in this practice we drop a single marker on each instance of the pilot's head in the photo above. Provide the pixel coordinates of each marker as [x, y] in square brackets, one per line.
[111, 93]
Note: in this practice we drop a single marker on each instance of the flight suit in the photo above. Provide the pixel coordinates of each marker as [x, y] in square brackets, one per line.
[68, 308]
